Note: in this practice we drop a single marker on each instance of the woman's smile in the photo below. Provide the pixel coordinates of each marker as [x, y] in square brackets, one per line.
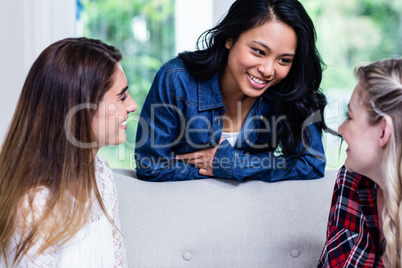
[257, 82]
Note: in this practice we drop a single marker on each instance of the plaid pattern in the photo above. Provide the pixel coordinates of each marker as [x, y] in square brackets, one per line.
[352, 234]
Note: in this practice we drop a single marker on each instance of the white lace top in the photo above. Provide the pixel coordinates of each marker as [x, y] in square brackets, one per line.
[98, 244]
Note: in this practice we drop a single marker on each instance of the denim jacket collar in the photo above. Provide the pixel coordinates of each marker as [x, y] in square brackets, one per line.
[208, 95]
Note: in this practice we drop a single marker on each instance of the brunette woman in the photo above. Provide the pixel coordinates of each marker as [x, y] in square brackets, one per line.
[58, 200]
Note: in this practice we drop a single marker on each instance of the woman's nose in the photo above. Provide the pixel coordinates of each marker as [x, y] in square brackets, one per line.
[341, 128]
[266, 68]
[132, 107]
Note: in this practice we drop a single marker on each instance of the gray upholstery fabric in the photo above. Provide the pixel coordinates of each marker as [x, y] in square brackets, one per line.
[215, 223]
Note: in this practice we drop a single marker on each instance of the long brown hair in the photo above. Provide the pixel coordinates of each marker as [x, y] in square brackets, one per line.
[37, 151]
[382, 96]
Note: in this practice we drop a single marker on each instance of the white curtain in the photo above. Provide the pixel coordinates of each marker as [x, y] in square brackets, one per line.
[27, 27]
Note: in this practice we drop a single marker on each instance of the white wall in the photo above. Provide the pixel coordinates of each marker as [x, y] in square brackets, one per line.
[11, 65]
[221, 7]
[194, 17]
[191, 19]
[27, 27]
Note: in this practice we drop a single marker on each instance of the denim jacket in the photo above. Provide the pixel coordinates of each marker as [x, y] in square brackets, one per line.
[182, 114]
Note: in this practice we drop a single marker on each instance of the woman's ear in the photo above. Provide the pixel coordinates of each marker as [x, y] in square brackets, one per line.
[386, 127]
[229, 43]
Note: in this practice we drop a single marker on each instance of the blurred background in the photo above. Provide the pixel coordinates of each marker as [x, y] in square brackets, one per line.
[150, 32]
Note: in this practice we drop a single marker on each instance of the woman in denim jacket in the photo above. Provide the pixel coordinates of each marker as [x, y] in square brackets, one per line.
[246, 106]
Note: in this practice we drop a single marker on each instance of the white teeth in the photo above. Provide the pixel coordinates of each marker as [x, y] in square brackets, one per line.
[123, 124]
[255, 79]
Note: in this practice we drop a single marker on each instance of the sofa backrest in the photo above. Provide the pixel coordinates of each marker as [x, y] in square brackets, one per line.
[215, 223]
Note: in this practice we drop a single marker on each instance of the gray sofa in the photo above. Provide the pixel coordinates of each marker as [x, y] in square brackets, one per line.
[214, 223]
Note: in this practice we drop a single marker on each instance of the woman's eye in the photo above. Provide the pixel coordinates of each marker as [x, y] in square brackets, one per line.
[258, 51]
[347, 115]
[285, 61]
[123, 97]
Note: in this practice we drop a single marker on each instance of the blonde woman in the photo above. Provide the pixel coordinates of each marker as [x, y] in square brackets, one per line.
[365, 221]
[58, 203]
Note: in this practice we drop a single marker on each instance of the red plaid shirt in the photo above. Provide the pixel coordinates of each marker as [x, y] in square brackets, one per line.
[353, 235]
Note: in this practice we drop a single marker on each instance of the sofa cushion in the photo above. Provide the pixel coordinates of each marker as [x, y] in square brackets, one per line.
[214, 223]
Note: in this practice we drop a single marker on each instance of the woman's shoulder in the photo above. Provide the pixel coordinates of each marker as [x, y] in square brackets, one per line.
[104, 175]
[173, 66]
[175, 63]
[177, 71]
[103, 171]
[36, 197]
[33, 204]
[106, 187]
[174, 79]
[101, 162]
[347, 178]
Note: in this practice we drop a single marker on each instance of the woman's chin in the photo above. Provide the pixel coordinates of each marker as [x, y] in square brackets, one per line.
[122, 139]
[349, 166]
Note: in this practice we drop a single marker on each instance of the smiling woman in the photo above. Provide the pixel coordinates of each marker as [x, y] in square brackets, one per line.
[364, 224]
[110, 120]
[259, 65]
[58, 203]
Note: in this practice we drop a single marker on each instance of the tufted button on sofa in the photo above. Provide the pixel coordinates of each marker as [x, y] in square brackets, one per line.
[215, 223]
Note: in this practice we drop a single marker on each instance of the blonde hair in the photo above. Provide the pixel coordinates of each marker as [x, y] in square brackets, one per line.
[37, 153]
[382, 89]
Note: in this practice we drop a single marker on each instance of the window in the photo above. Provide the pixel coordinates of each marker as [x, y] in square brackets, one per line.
[144, 32]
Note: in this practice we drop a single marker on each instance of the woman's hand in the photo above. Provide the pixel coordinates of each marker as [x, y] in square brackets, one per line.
[202, 159]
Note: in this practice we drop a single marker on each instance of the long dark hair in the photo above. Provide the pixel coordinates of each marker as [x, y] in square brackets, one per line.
[37, 151]
[298, 95]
